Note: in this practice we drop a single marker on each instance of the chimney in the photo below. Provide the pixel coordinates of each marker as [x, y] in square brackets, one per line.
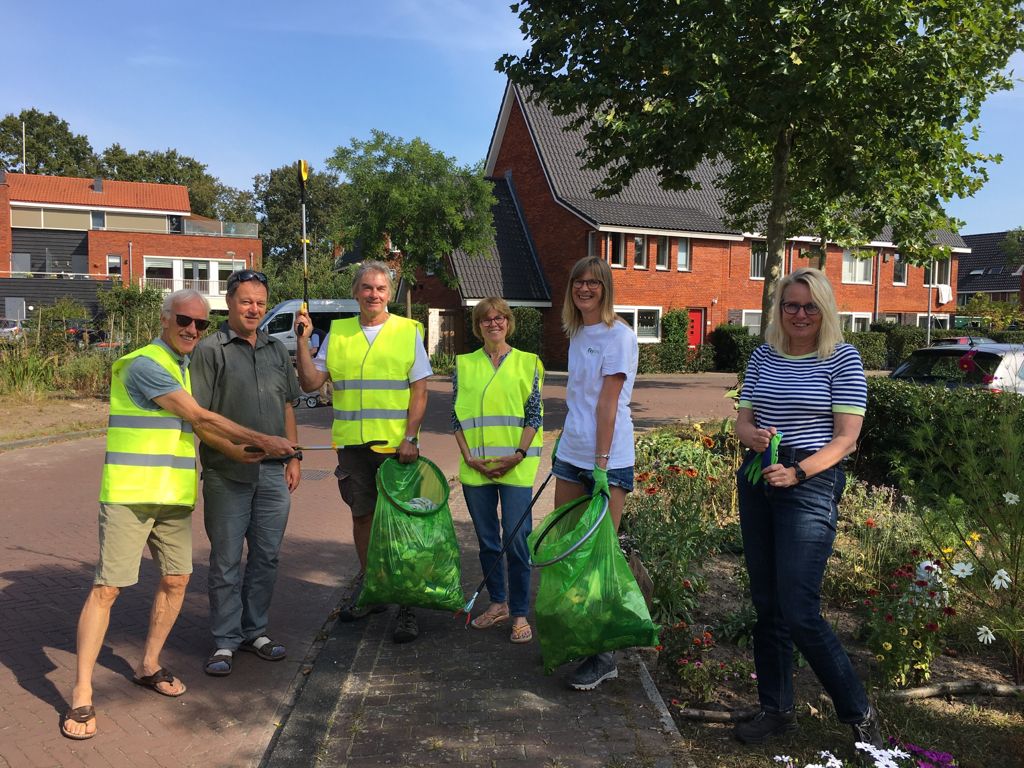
[97, 184]
[3, 176]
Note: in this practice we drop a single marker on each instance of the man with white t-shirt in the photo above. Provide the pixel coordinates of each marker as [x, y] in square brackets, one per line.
[379, 368]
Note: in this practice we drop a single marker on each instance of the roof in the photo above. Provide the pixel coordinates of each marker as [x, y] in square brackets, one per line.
[984, 270]
[644, 204]
[65, 190]
[511, 269]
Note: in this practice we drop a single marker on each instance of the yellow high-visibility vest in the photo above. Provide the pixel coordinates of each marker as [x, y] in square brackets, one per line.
[371, 382]
[151, 455]
[490, 406]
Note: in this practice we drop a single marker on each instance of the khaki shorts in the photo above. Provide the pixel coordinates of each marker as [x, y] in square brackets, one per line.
[357, 477]
[125, 529]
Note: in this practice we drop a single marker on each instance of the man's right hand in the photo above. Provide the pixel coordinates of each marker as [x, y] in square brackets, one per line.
[303, 325]
[276, 447]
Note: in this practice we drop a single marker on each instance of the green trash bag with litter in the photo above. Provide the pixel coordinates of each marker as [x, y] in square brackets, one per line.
[588, 600]
[413, 556]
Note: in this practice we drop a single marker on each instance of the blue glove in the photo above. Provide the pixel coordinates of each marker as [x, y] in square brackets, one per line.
[601, 481]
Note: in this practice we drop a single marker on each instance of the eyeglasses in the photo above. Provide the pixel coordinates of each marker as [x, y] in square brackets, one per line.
[791, 308]
[591, 284]
[184, 321]
[244, 276]
[499, 320]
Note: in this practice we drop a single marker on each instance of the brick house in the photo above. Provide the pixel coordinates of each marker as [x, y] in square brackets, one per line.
[985, 270]
[673, 250]
[70, 236]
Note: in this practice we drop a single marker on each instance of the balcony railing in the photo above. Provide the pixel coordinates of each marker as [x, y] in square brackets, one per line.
[221, 228]
[205, 287]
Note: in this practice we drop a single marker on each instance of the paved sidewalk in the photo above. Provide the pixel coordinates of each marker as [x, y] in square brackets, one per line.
[466, 697]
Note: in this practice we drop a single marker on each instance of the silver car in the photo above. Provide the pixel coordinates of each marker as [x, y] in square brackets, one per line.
[11, 330]
[998, 367]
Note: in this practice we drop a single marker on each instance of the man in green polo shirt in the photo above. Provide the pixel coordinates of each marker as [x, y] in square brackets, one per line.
[242, 373]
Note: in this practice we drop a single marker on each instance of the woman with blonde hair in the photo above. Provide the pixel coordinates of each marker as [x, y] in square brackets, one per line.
[496, 417]
[807, 385]
[595, 450]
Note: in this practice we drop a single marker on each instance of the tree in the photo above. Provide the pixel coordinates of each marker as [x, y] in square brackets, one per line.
[50, 146]
[1012, 247]
[279, 210]
[166, 167]
[834, 119]
[406, 195]
[326, 281]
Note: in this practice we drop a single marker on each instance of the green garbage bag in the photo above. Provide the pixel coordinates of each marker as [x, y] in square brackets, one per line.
[588, 601]
[413, 556]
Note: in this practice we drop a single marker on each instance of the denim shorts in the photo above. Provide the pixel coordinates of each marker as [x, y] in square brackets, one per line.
[621, 477]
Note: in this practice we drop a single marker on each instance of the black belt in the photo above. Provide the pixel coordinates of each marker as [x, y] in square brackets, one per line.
[788, 455]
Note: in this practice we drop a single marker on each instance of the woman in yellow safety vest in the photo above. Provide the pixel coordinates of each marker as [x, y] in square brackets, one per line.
[496, 416]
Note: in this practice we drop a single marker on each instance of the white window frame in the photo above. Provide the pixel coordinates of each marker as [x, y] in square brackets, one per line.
[864, 317]
[897, 259]
[120, 266]
[664, 248]
[640, 257]
[922, 320]
[610, 238]
[684, 256]
[851, 266]
[94, 215]
[757, 254]
[943, 268]
[592, 241]
[634, 311]
[754, 330]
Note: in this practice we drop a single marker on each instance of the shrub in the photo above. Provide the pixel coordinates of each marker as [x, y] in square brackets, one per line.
[85, 373]
[733, 345]
[529, 335]
[871, 347]
[442, 363]
[25, 371]
[649, 359]
[1007, 337]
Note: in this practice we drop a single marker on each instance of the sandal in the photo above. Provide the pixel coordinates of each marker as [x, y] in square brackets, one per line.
[219, 663]
[78, 715]
[160, 676]
[491, 618]
[521, 633]
[267, 650]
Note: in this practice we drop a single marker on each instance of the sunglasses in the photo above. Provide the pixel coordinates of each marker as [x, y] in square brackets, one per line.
[244, 276]
[184, 321]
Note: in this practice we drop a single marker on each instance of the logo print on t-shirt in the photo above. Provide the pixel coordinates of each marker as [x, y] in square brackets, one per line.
[592, 351]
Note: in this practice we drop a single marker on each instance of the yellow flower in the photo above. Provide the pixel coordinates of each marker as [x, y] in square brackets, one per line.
[975, 537]
[903, 631]
[858, 569]
[880, 657]
[917, 644]
[887, 646]
[947, 550]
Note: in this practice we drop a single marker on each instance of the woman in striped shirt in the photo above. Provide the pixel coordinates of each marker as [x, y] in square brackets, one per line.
[809, 386]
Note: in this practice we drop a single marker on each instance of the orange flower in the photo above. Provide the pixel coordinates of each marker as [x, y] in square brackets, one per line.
[691, 472]
[870, 523]
[675, 470]
[651, 490]
[708, 442]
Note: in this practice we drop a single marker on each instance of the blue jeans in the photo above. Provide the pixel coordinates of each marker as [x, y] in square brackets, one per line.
[787, 539]
[482, 501]
[621, 477]
[254, 513]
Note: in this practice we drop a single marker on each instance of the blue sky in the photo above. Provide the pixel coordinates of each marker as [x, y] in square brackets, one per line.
[249, 86]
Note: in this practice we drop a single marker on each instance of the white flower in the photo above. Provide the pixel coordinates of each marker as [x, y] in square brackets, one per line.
[783, 759]
[985, 635]
[831, 761]
[1011, 498]
[1001, 580]
[899, 753]
[962, 570]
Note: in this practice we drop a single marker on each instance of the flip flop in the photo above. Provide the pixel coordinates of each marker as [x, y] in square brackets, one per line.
[489, 619]
[521, 634]
[154, 680]
[80, 715]
[265, 650]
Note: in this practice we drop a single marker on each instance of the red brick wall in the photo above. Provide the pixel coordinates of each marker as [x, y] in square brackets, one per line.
[144, 244]
[5, 228]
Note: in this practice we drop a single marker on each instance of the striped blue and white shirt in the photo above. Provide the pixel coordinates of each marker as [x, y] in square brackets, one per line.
[798, 395]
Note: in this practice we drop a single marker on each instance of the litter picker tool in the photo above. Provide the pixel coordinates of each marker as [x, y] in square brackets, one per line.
[303, 176]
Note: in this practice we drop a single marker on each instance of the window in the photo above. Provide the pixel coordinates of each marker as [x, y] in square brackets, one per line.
[855, 321]
[224, 269]
[592, 240]
[99, 220]
[758, 260]
[752, 321]
[856, 270]
[615, 255]
[899, 270]
[197, 275]
[640, 251]
[938, 321]
[683, 254]
[113, 264]
[645, 322]
[663, 253]
[159, 273]
[941, 273]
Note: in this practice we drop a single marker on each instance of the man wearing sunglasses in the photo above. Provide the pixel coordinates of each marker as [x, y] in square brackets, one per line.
[147, 494]
[242, 373]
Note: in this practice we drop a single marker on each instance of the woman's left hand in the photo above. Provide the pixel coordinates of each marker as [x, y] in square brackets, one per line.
[779, 476]
[503, 465]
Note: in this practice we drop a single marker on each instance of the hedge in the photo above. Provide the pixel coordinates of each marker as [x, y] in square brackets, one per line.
[528, 336]
[871, 347]
[733, 345]
[675, 358]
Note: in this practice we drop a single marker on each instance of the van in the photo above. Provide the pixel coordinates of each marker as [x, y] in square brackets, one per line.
[279, 322]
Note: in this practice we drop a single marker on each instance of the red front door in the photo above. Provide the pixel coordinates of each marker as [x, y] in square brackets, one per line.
[696, 332]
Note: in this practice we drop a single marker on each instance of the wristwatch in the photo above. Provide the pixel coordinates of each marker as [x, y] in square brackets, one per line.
[413, 439]
[800, 474]
[521, 452]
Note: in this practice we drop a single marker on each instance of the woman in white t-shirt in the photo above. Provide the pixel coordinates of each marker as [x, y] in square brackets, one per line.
[596, 446]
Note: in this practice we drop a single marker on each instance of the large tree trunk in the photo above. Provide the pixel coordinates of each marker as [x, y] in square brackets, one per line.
[776, 224]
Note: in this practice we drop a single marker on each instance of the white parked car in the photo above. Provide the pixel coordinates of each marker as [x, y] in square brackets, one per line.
[11, 330]
[998, 367]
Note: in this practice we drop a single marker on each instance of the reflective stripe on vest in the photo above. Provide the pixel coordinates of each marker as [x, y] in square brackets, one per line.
[150, 456]
[370, 409]
[491, 408]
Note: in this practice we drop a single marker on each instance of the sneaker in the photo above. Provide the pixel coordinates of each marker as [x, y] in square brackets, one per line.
[764, 726]
[868, 730]
[406, 629]
[593, 671]
[349, 611]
